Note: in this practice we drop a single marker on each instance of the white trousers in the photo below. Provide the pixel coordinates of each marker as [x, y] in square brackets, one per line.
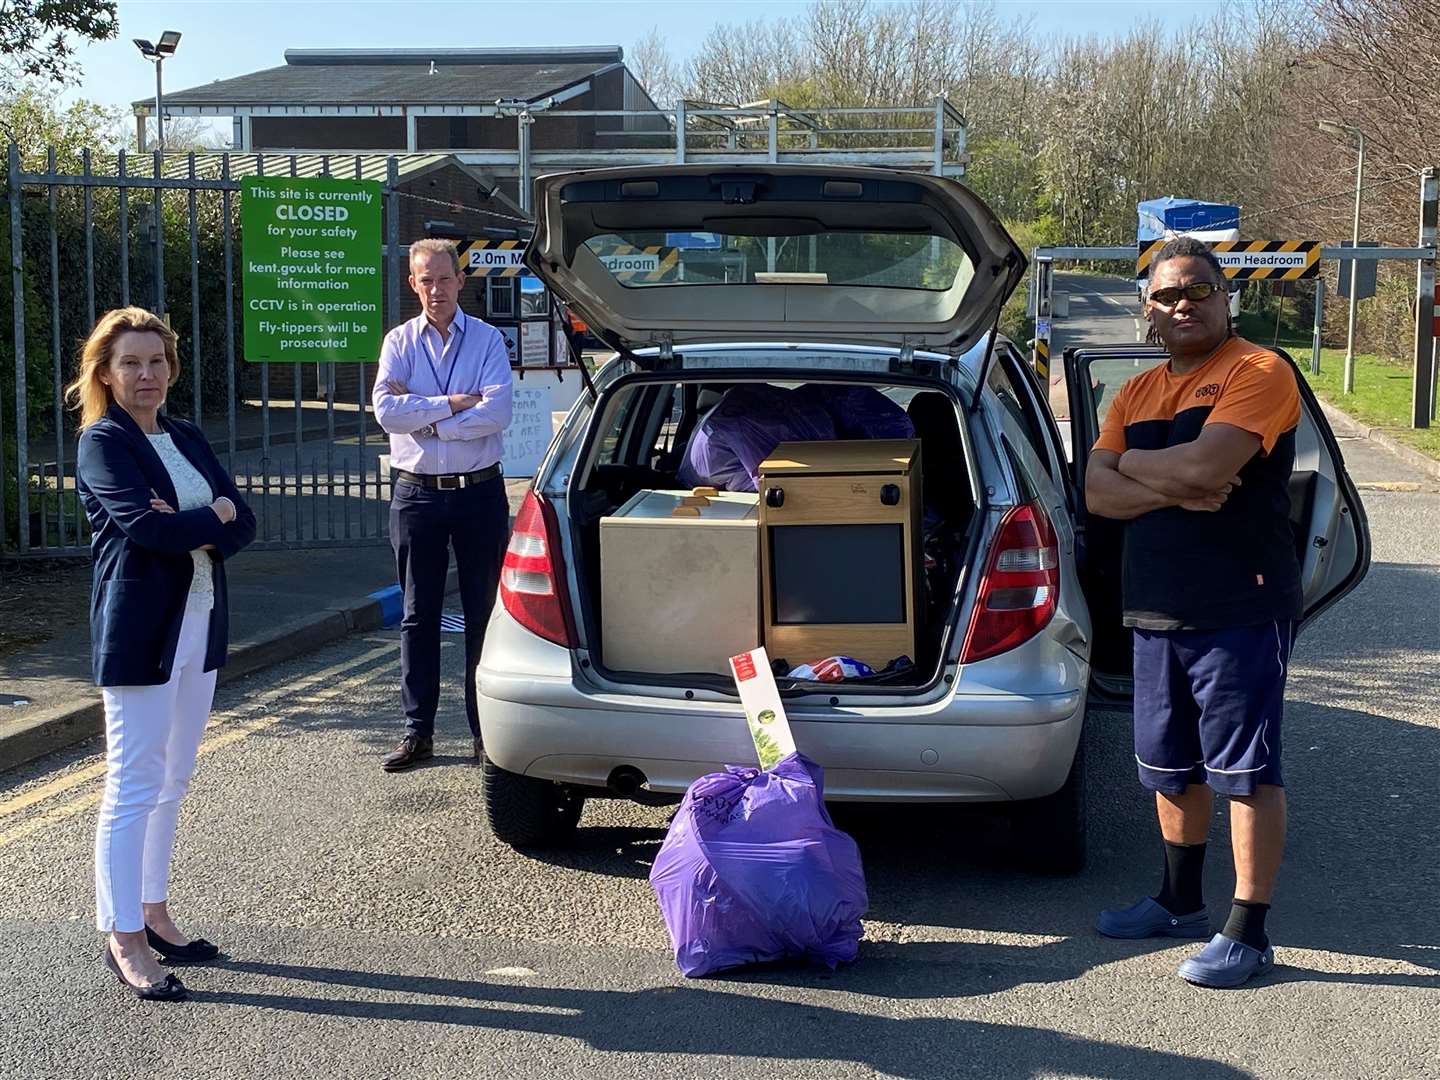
[152, 734]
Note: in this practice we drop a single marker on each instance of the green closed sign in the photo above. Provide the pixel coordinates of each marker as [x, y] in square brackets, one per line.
[312, 286]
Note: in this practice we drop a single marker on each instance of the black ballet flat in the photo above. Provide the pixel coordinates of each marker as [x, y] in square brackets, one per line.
[172, 989]
[192, 952]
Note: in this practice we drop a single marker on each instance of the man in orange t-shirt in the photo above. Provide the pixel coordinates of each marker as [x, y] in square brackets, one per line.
[1195, 456]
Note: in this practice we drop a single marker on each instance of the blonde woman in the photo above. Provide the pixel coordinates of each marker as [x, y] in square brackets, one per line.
[165, 516]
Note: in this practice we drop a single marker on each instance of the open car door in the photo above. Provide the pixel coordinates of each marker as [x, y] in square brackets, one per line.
[1332, 536]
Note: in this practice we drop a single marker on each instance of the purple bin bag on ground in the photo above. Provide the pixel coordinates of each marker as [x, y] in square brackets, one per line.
[727, 447]
[753, 870]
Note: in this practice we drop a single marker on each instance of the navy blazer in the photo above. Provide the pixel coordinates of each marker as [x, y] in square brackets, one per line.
[142, 557]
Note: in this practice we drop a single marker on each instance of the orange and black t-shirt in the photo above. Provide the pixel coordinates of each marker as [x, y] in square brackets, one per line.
[1237, 566]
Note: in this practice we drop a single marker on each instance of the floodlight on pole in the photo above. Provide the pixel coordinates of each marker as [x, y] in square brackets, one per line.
[1344, 131]
[156, 54]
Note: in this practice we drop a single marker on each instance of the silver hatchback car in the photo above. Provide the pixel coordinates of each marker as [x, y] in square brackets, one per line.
[801, 276]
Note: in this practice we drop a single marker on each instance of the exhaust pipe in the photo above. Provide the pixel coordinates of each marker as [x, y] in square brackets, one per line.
[628, 782]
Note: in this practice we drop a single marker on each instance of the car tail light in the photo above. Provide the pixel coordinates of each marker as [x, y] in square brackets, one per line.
[532, 578]
[1021, 586]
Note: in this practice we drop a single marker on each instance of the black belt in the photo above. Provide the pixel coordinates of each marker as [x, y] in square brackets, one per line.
[450, 481]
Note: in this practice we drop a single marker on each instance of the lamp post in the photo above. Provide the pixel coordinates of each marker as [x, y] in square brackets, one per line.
[524, 112]
[156, 54]
[1343, 131]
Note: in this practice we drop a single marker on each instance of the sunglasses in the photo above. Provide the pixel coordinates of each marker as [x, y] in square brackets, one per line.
[1201, 290]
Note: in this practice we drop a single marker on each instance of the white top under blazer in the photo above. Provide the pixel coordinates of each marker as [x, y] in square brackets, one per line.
[192, 491]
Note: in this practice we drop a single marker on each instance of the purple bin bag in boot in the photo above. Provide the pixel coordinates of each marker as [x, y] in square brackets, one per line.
[859, 412]
[727, 447]
[753, 870]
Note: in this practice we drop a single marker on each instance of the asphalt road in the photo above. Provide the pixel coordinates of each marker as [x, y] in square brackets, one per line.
[372, 927]
[1104, 310]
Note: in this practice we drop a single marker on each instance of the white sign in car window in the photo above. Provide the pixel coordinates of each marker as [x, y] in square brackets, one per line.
[531, 425]
[641, 262]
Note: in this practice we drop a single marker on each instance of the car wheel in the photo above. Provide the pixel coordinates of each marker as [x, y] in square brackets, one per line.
[525, 812]
[1050, 832]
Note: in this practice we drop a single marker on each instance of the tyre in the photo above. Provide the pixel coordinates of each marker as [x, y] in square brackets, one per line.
[1050, 832]
[525, 812]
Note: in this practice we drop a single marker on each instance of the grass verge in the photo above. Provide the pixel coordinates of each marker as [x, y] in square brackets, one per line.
[1382, 384]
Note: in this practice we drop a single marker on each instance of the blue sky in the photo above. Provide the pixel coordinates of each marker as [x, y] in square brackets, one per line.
[225, 38]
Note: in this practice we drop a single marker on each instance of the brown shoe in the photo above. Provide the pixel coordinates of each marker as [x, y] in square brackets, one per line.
[412, 750]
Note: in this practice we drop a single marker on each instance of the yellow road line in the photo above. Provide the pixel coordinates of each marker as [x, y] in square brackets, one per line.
[232, 733]
[55, 787]
[228, 717]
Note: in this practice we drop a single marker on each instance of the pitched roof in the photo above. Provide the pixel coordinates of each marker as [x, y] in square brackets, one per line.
[403, 77]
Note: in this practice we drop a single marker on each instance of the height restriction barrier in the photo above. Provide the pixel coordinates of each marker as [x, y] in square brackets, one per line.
[1249, 260]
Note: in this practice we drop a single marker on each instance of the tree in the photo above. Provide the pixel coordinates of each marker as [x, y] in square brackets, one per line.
[1370, 64]
[736, 64]
[30, 118]
[35, 38]
[1373, 63]
[91, 264]
[653, 67]
[182, 135]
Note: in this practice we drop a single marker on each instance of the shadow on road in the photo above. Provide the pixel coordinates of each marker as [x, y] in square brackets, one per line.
[1360, 873]
[692, 1020]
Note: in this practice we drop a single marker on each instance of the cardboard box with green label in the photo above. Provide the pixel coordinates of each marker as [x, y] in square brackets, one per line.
[764, 712]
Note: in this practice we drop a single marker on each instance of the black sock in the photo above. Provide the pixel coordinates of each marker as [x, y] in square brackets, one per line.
[1180, 889]
[1247, 923]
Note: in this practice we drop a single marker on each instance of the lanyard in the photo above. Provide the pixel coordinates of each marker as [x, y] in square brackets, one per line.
[430, 358]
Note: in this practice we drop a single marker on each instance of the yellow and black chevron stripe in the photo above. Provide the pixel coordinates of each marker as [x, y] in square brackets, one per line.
[1255, 260]
[467, 270]
[1040, 358]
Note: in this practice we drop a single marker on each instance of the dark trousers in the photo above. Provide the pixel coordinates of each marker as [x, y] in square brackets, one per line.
[424, 524]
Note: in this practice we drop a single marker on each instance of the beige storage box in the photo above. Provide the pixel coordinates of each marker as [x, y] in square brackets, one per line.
[680, 581]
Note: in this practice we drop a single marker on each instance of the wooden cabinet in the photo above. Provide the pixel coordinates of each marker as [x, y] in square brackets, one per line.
[840, 559]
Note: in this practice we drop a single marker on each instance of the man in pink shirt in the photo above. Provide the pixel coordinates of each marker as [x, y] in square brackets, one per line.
[442, 392]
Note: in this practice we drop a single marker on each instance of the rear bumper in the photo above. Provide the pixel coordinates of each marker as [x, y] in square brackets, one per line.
[1007, 729]
[1022, 749]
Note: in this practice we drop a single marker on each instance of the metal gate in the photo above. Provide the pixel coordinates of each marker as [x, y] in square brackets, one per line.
[300, 440]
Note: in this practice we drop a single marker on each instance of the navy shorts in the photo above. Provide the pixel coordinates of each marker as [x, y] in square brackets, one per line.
[1208, 704]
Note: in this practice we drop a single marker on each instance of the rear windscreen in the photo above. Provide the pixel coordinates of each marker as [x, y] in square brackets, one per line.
[896, 260]
[837, 573]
